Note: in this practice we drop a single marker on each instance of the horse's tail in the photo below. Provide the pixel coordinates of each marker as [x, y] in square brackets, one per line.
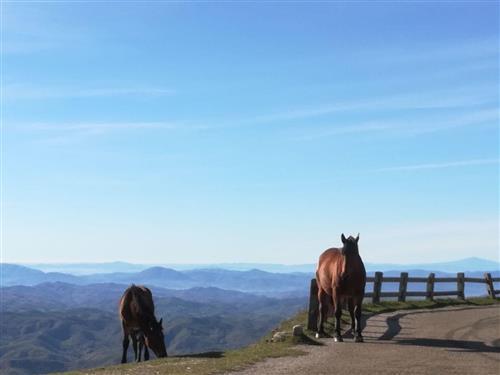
[125, 302]
[318, 284]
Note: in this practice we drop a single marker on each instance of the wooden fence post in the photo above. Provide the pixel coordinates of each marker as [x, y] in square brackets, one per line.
[489, 285]
[312, 322]
[403, 283]
[430, 287]
[377, 287]
[460, 285]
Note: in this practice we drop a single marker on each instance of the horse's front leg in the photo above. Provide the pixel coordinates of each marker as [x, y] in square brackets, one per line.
[358, 337]
[338, 314]
[351, 306]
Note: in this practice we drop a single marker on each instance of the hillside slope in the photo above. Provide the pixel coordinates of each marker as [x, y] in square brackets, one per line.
[224, 362]
[58, 326]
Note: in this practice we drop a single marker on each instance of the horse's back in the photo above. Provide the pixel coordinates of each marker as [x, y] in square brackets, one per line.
[329, 268]
[137, 301]
[335, 272]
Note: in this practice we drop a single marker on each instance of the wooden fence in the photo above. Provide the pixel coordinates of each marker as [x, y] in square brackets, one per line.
[402, 293]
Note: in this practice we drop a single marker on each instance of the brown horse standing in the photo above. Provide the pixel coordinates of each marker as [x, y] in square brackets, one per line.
[341, 276]
[139, 322]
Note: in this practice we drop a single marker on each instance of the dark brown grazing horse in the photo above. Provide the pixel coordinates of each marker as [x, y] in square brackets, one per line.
[137, 313]
[341, 277]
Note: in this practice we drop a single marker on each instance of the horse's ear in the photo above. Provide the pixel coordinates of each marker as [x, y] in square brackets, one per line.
[161, 320]
[357, 238]
[343, 238]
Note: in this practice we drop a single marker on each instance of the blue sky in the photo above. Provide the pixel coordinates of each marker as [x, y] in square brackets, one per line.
[253, 132]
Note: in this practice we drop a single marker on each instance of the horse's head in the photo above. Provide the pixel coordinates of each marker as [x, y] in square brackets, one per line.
[350, 245]
[155, 339]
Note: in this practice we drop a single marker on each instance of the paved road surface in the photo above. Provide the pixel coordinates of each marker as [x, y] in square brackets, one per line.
[460, 340]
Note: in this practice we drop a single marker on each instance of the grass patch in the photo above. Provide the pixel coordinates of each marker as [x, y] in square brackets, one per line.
[388, 306]
[204, 363]
[219, 362]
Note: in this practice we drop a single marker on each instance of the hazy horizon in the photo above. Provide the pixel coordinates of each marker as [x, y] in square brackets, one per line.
[240, 263]
[249, 132]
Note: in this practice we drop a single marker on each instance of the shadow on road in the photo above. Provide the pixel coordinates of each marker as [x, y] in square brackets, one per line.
[394, 329]
[463, 345]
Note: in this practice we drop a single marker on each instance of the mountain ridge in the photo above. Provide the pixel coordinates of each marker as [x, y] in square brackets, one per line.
[458, 265]
[255, 281]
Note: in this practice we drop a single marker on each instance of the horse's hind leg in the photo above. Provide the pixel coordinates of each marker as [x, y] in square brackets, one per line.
[125, 344]
[337, 303]
[134, 346]
[141, 345]
[323, 311]
[320, 313]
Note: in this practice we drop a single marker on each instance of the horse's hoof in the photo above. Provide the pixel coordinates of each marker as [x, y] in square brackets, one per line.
[358, 339]
[338, 339]
[318, 335]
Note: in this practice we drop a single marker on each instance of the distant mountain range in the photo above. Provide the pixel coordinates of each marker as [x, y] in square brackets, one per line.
[252, 281]
[186, 302]
[462, 265]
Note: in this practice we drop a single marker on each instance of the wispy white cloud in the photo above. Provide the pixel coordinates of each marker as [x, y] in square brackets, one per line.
[62, 133]
[101, 127]
[446, 99]
[462, 50]
[333, 130]
[405, 126]
[444, 165]
[19, 92]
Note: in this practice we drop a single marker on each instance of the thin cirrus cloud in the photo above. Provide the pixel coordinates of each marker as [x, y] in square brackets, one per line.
[101, 127]
[433, 100]
[21, 92]
[406, 126]
[461, 51]
[63, 133]
[444, 165]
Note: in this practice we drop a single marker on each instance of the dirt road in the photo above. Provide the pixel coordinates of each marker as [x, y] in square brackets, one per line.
[461, 340]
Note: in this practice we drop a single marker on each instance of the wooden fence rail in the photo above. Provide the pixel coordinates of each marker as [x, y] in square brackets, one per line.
[378, 279]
